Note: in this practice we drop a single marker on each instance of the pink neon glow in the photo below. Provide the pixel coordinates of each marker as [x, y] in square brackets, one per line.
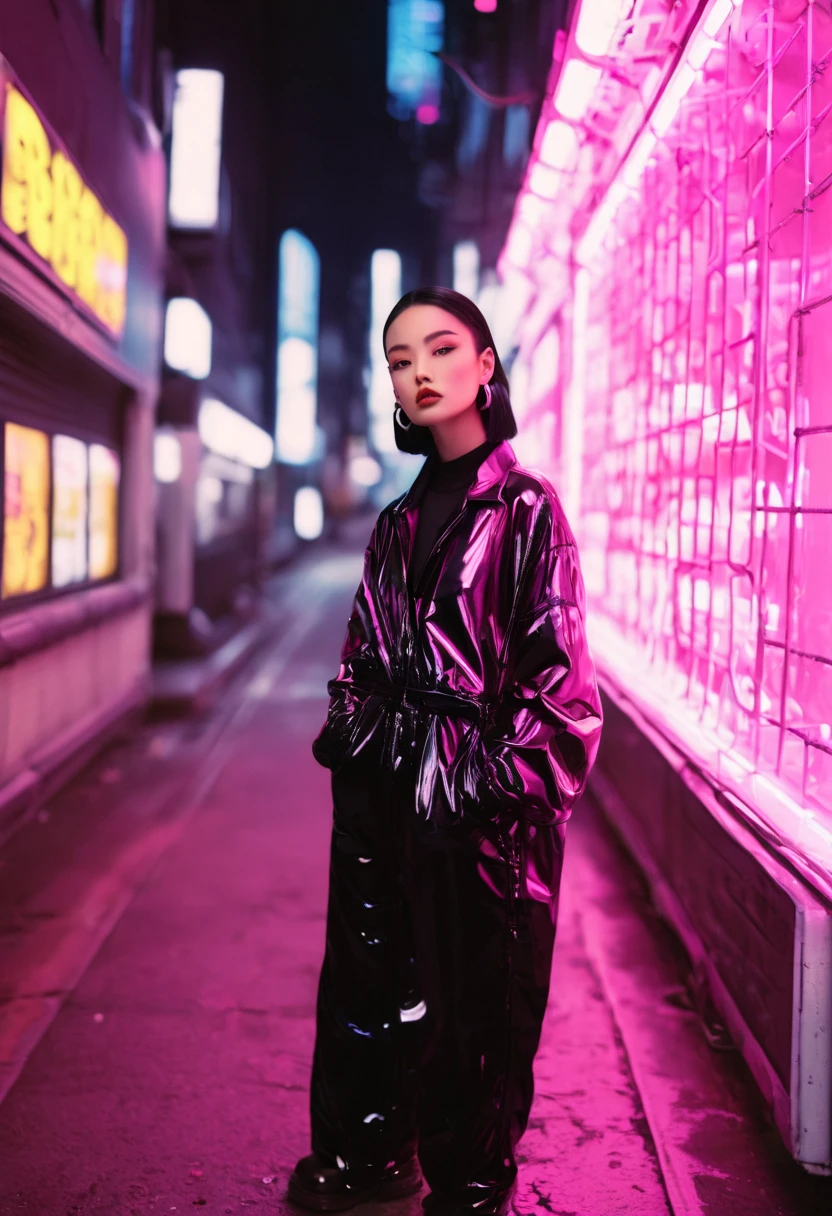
[597, 21]
[544, 181]
[559, 144]
[485, 6]
[705, 505]
[577, 83]
[427, 114]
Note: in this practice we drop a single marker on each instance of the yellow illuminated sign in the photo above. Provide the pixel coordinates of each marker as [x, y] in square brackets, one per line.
[26, 513]
[46, 203]
[105, 473]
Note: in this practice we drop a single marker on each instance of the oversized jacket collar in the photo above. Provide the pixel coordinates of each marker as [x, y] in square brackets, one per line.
[487, 487]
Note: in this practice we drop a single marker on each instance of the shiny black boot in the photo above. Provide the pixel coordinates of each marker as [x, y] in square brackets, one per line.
[324, 1188]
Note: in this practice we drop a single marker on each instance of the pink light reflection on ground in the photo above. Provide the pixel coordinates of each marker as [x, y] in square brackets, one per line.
[707, 427]
[427, 114]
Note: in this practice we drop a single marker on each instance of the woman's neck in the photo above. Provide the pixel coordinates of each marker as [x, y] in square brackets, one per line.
[459, 435]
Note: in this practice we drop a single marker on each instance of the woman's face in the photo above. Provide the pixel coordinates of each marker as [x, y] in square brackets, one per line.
[434, 364]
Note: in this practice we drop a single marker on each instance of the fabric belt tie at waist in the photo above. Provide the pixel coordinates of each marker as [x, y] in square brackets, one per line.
[433, 700]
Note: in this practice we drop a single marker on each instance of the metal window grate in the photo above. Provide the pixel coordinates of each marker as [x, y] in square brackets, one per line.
[706, 501]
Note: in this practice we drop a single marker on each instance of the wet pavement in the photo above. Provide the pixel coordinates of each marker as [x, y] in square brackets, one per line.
[161, 931]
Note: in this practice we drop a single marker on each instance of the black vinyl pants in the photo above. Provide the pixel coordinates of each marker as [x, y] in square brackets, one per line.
[432, 992]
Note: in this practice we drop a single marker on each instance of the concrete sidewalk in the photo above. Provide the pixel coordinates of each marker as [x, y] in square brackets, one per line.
[175, 1074]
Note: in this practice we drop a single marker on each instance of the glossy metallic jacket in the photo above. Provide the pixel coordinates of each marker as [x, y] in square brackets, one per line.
[478, 679]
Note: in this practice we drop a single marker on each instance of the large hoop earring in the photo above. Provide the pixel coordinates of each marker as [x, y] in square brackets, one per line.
[487, 402]
[401, 420]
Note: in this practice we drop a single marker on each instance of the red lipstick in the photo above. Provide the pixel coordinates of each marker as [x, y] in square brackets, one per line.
[425, 393]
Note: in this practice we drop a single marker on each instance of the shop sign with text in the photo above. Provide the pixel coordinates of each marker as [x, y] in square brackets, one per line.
[47, 208]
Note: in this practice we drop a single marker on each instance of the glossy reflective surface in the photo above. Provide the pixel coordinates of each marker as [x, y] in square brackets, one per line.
[461, 729]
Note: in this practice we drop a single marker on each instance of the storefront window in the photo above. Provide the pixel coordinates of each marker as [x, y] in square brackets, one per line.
[105, 473]
[69, 511]
[77, 540]
[26, 510]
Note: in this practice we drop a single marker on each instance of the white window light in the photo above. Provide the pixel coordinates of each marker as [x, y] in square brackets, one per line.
[308, 513]
[575, 89]
[167, 457]
[385, 291]
[559, 144]
[196, 149]
[544, 181]
[229, 434]
[297, 432]
[597, 23]
[467, 268]
[188, 337]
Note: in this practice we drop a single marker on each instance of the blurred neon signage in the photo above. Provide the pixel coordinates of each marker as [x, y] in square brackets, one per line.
[299, 270]
[53, 215]
[385, 291]
[415, 32]
[196, 149]
[229, 434]
[188, 337]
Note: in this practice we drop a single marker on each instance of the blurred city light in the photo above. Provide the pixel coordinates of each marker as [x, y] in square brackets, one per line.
[415, 32]
[467, 268]
[297, 349]
[427, 114]
[167, 457]
[229, 434]
[365, 471]
[188, 338]
[385, 291]
[485, 6]
[575, 88]
[196, 145]
[308, 513]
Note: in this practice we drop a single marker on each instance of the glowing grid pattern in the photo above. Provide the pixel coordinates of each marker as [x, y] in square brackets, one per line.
[706, 496]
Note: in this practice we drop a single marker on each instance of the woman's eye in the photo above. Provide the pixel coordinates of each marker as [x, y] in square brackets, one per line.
[400, 363]
[444, 350]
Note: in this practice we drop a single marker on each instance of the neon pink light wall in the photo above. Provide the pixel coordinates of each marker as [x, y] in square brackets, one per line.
[706, 497]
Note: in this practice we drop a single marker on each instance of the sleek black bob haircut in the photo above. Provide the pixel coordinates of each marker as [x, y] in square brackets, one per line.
[499, 421]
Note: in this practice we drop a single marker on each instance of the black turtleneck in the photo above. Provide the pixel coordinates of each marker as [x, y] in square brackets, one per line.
[441, 501]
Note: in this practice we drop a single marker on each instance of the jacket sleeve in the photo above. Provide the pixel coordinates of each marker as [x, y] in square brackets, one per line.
[549, 719]
[344, 713]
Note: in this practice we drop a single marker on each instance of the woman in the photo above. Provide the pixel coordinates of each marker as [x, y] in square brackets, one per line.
[461, 729]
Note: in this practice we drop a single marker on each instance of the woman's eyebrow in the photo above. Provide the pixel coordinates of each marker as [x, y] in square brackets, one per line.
[428, 338]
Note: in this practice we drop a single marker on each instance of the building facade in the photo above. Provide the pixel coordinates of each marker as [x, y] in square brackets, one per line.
[670, 252]
[82, 196]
